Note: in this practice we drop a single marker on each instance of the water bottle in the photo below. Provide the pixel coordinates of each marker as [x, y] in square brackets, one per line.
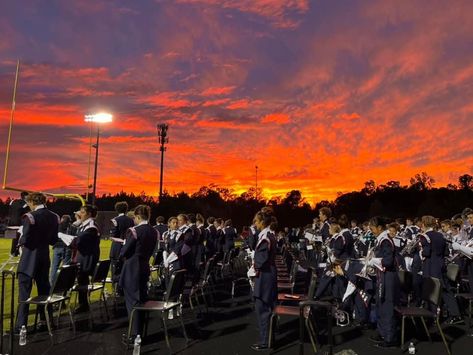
[23, 335]
[137, 346]
[412, 348]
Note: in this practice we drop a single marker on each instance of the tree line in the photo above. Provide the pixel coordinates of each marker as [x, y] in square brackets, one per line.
[391, 199]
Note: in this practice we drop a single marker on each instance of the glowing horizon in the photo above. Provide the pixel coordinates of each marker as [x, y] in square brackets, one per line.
[321, 97]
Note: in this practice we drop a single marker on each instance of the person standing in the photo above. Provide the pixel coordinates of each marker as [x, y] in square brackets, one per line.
[60, 249]
[88, 248]
[40, 229]
[266, 287]
[388, 284]
[18, 207]
[120, 225]
[136, 253]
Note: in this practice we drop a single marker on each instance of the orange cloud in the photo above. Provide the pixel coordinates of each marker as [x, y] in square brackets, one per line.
[279, 118]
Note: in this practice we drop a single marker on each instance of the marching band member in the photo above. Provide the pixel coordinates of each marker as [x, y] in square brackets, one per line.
[388, 284]
[88, 247]
[40, 230]
[265, 289]
[211, 238]
[433, 251]
[120, 225]
[17, 208]
[355, 230]
[136, 252]
[200, 251]
[324, 215]
[467, 249]
[229, 235]
[332, 282]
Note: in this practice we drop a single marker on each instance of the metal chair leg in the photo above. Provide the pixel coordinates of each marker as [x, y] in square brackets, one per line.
[402, 332]
[105, 303]
[164, 315]
[183, 329]
[426, 329]
[70, 317]
[48, 323]
[130, 324]
[312, 335]
[443, 336]
[271, 330]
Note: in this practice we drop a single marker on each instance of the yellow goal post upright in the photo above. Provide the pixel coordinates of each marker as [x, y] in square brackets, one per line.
[7, 153]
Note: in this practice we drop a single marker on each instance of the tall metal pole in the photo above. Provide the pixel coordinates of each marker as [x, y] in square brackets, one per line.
[256, 182]
[162, 139]
[96, 146]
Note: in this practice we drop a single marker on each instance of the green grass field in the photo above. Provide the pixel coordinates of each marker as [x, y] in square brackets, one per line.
[5, 245]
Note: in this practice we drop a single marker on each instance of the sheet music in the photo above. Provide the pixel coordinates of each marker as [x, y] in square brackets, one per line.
[66, 238]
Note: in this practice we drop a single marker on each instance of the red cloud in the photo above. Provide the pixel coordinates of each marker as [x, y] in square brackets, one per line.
[279, 118]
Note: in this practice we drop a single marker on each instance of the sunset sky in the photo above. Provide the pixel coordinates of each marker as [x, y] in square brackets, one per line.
[321, 95]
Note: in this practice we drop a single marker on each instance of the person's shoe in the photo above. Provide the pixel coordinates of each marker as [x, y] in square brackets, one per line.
[376, 338]
[259, 347]
[81, 309]
[386, 345]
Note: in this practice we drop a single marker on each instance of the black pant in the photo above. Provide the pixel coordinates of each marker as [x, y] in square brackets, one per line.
[25, 284]
[263, 315]
[133, 298]
[83, 281]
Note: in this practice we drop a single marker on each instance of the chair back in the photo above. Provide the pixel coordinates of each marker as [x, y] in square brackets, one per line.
[452, 272]
[176, 285]
[207, 268]
[431, 290]
[405, 279]
[65, 279]
[295, 268]
[101, 271]
[312, 286]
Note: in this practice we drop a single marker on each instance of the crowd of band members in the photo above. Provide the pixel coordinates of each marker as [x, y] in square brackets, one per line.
[422, 246]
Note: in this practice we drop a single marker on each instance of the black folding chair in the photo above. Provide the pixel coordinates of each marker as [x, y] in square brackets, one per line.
[171, 302]
[97, 283]
[60, 292]
[293, 311]
[431, 294]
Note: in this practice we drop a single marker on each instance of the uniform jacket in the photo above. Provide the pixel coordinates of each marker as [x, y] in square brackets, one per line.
[88, 245]
[266, 286]
[40, 228]
[121, 223]
[136, 252]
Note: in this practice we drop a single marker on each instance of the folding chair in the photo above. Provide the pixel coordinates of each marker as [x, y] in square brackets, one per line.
[171, 302]
[292, 311]
[431, 293]
[97, 283]
[60, 292]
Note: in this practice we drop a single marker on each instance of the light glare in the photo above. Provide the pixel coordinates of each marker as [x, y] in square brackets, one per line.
[99, 117]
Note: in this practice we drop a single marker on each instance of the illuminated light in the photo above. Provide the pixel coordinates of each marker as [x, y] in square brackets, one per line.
[101, 117]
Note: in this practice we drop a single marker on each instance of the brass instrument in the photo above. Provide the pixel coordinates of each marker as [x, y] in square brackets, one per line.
[367, 269]
[410, 246]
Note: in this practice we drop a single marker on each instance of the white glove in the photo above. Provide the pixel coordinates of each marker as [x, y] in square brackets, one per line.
[251, 272]
[455, 246]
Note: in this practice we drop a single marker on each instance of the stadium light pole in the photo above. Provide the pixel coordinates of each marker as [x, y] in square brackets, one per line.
[97, 118]
[256, 182]
[162, 139]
